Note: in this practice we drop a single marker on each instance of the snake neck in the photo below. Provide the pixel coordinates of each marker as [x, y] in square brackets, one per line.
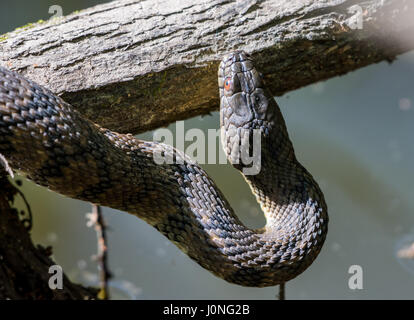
[293, 204]
[283, 185]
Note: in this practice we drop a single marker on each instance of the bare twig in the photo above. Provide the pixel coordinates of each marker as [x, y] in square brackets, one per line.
[96, 219]
[4, 163]
[27, 222]
[281, 295]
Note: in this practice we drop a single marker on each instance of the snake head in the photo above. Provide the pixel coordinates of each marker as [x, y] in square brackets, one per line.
[244, 100]
[245, 104]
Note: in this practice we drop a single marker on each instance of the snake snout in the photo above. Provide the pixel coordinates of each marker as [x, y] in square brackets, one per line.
[236, 56]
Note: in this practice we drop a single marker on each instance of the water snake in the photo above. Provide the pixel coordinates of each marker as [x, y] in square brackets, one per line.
[55, 146]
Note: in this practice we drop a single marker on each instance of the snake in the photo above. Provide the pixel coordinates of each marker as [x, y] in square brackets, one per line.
[52, 144]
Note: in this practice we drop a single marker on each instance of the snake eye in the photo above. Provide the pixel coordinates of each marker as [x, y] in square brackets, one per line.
[227, 84]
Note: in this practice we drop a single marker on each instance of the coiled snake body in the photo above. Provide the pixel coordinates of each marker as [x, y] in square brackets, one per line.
[55, 146]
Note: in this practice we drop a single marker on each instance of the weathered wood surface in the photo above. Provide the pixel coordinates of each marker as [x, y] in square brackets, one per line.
[137, 65]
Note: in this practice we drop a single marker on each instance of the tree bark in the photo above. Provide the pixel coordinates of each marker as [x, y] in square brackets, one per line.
[132, 66]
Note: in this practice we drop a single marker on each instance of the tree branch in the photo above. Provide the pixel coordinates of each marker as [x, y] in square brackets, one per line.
[24, 268]
[96, 219]
[132, 66]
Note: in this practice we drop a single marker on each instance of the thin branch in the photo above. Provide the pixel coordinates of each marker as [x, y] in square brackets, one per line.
[96, 219]
[27, 222]
[5, 164]
[281, 295]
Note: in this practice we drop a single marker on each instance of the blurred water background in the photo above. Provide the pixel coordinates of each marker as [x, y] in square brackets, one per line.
[354, 134]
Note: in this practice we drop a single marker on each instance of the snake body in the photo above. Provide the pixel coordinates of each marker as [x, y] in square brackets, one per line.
[49, 141]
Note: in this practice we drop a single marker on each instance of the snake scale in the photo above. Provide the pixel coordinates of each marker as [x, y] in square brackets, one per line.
[50, 142]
